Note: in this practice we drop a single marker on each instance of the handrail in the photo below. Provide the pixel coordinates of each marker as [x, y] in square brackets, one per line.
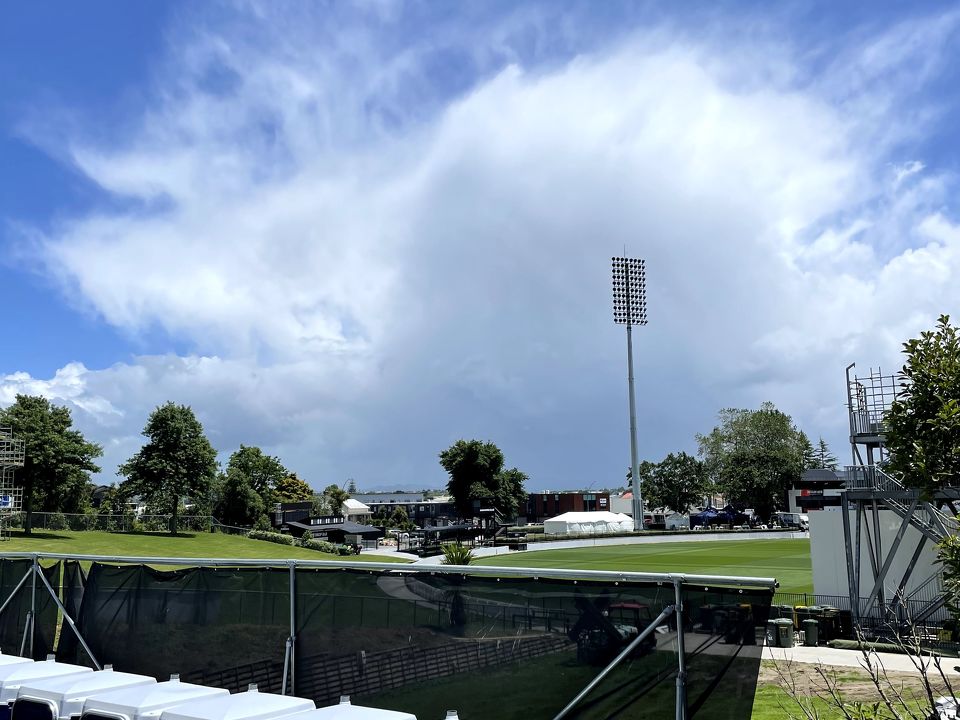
[394, 568]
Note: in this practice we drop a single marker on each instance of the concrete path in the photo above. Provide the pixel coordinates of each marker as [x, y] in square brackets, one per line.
[852, 658]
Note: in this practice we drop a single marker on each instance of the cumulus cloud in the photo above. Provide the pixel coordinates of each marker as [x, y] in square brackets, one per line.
[367, 265]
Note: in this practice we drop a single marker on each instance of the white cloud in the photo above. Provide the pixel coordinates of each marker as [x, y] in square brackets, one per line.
[361, 283]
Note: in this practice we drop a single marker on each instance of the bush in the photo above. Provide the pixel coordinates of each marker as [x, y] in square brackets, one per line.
[273, 537]
[455, 553]
[263, 523]
[320, 546]
[344, 550]
[57, 521]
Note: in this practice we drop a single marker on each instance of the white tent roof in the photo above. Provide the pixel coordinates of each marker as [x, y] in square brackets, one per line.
[596, 516]
[588, 523]
[67, 693]
[345, 711]
[13, 660]
[13, 676]
[250, 705]
[145, 700]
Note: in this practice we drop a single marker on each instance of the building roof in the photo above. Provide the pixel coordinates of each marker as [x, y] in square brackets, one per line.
[356, 505]
[347, 526]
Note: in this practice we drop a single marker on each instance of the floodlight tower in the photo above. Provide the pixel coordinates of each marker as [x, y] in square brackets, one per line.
[630, 308]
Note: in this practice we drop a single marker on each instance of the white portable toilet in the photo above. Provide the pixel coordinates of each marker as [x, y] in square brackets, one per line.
[12, 677]
[145, 701]
[344, 710]
[249, 705]
[60, 698]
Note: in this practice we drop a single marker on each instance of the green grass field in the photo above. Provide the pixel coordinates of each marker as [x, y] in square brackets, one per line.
[786, 560]
[185, 545]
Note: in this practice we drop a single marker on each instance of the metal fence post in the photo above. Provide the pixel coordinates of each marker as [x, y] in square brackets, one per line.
[293, 627]
[33, 600]
[681, 710]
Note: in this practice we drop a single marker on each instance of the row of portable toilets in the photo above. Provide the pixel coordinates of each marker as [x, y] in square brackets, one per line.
[49, 690]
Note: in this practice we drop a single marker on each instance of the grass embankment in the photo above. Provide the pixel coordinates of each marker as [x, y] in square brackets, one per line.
[787, 560]
[184, 545]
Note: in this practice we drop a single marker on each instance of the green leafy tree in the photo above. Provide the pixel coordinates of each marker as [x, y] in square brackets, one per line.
[237, 504]
[263, 472]
[476, 473]
[330, 501]
[807, 452]
[351, 486]
[58, 460]
[753, 456]
[291, 488]
[176, 461]
[923, 425]
[678, 482]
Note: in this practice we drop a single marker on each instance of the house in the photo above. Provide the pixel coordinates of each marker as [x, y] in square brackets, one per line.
[355, 511]
[422, 511]
[335, 529]
[544, 505]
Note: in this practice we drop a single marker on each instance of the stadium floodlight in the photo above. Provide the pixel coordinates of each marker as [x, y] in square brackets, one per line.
[630, 308]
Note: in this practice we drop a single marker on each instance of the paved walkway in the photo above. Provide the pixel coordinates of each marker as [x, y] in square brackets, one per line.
[851, 658]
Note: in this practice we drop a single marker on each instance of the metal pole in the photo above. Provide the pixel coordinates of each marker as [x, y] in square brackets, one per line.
[20, 584]
[293, 628]
[634, 464]
[33, 600]
[681, 652]
[66, 616]
[616, 661]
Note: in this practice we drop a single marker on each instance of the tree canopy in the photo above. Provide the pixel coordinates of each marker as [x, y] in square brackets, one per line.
[678, 482]
[291, 488]
[264, 473]
[58, 459]
[753, 456]
[923, 424]
[176, 461]
[330, 501]
[476, 475]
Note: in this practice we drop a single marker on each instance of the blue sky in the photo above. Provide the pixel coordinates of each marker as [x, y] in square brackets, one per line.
[354, 233]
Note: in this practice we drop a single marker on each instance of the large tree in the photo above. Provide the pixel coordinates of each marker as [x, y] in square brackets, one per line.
[262, 472]
[825, 459]
[678, 482]
[477, 474]
[292, 488]
[237, 503]
[176, 461]
[58, 460]
[753, 456]
[923, 425]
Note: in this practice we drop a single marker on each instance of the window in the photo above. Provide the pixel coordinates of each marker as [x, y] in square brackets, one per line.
[32, 710]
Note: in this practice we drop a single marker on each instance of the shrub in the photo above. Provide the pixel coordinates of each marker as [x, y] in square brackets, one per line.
[263, 523]
[344, 550]
[456, 554]
[273, 537]
[57, 521]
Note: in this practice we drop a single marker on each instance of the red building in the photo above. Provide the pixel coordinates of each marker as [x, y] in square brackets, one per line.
[543, 505]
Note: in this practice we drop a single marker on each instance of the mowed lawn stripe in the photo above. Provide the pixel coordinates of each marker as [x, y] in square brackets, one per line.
[787, 560]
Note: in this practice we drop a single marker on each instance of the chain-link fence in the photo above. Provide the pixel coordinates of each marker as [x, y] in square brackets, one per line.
[127, 522]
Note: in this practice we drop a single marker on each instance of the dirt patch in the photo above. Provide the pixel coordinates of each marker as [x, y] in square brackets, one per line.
[855, 684]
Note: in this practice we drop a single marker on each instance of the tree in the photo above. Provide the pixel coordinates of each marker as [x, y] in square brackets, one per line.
[291, 488]
[330, 501]
[476, 474]
[807, 452]
[678, 482]
[177, 460]
[58, 460]
[753, 456]
[826, 460]
[351, 486]
[923, 424]
[238, 504]
[263, 472]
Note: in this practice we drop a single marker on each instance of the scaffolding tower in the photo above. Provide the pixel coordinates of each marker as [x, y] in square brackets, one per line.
[11, 496]
[909, 592]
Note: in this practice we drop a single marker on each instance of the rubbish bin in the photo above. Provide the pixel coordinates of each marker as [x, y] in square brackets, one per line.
[811, 632]
[785, 611]
[772, 632]
[785, 633]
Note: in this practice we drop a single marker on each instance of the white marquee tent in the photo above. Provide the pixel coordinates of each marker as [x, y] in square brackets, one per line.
[588, 523]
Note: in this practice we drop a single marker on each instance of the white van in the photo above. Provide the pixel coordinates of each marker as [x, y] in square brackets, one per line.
[145, 702]
[60, 698]
[791, 519]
